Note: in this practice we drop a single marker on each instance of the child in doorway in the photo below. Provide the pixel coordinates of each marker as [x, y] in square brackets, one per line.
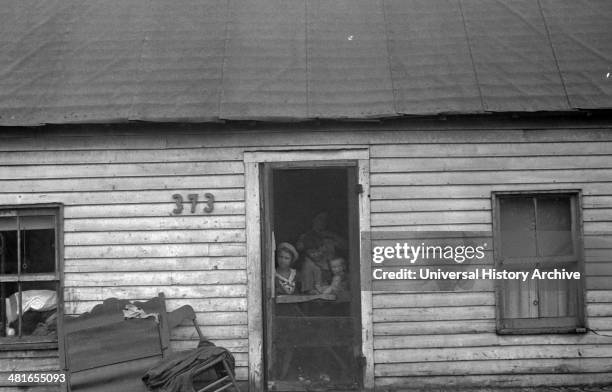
[312, 277]
[285, 276]
[339, 282]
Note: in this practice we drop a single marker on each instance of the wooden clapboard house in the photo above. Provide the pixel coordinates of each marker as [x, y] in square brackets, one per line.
[151, 147]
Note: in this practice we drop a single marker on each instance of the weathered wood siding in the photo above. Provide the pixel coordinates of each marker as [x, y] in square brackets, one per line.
[39, 361]
[448, 338]
[121, 238]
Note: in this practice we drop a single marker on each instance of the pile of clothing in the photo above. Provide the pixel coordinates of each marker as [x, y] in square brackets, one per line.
[187, 370]
[38, 313]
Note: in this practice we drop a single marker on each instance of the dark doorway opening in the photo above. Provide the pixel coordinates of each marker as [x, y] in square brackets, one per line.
[313, 313]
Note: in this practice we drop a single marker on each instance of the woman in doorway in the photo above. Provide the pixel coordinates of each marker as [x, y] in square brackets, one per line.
[285, 276]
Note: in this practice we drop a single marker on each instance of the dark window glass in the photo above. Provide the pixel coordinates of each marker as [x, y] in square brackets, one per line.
[28, 265]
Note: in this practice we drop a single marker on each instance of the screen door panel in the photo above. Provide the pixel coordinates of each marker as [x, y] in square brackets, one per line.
[313, 339]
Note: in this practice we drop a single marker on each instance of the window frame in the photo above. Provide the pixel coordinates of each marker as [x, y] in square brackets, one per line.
[15, 343]
[541, 325]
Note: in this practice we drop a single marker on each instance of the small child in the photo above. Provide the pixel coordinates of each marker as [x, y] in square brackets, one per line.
[311, 278]
[339, 283]
[284, 276]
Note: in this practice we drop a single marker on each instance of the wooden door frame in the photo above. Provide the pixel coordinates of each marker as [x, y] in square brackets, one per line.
[311, 158]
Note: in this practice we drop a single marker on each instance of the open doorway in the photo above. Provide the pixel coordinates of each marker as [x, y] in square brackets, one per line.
[311, 273]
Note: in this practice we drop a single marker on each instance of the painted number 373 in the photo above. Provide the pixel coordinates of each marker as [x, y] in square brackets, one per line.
[209, 201]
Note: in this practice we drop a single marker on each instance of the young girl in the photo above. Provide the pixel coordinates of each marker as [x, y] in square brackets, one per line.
[284, 277]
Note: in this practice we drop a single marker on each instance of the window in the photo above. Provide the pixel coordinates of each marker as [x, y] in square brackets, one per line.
[30, 275]
[538, 231]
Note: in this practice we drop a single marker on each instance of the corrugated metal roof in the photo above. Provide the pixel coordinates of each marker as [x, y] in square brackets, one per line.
[65, 61]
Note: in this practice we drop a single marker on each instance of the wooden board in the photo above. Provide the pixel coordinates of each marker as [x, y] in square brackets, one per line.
[495, 367]
[178, 292]
[501, 149]
[155, 250]
[103, 350]
[187, 263]
[491, 339]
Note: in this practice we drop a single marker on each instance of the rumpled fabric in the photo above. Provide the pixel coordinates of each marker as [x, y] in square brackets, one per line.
[131, 311]
[38, 300]
[176, 372]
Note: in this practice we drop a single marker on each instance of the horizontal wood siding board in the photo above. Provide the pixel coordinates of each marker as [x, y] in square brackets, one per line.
[144, 210]
[29, 364]
[596, 226]
[493, 381]
[120, 170]
[427, 205]
[488, 353]
[154, 237]
[403, 300]
[599, 283]
[110, 156]
[598, 240]
[599, 269]
[242, 374]
[599, 310]
[444, 217]
[598, 215]
[212, 332]
[462, 191]
[434, 314]
[156, 264]
[179, 223]
[134, 196]
[597, 201]
[597, 255]
[154, 278]
[32, 354]
[599, 296]
[435, 227]
[435, 164]
[483, 150]
[121, 183]
[476, 177]
[154, 250]
[601, 324]
[455, 210]
[178, 291]
[10, 387]
[38, 143]
[199, 304]
[433, 327]
[234, 345]
[494, 367]
[490, 339]
[218, 318]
